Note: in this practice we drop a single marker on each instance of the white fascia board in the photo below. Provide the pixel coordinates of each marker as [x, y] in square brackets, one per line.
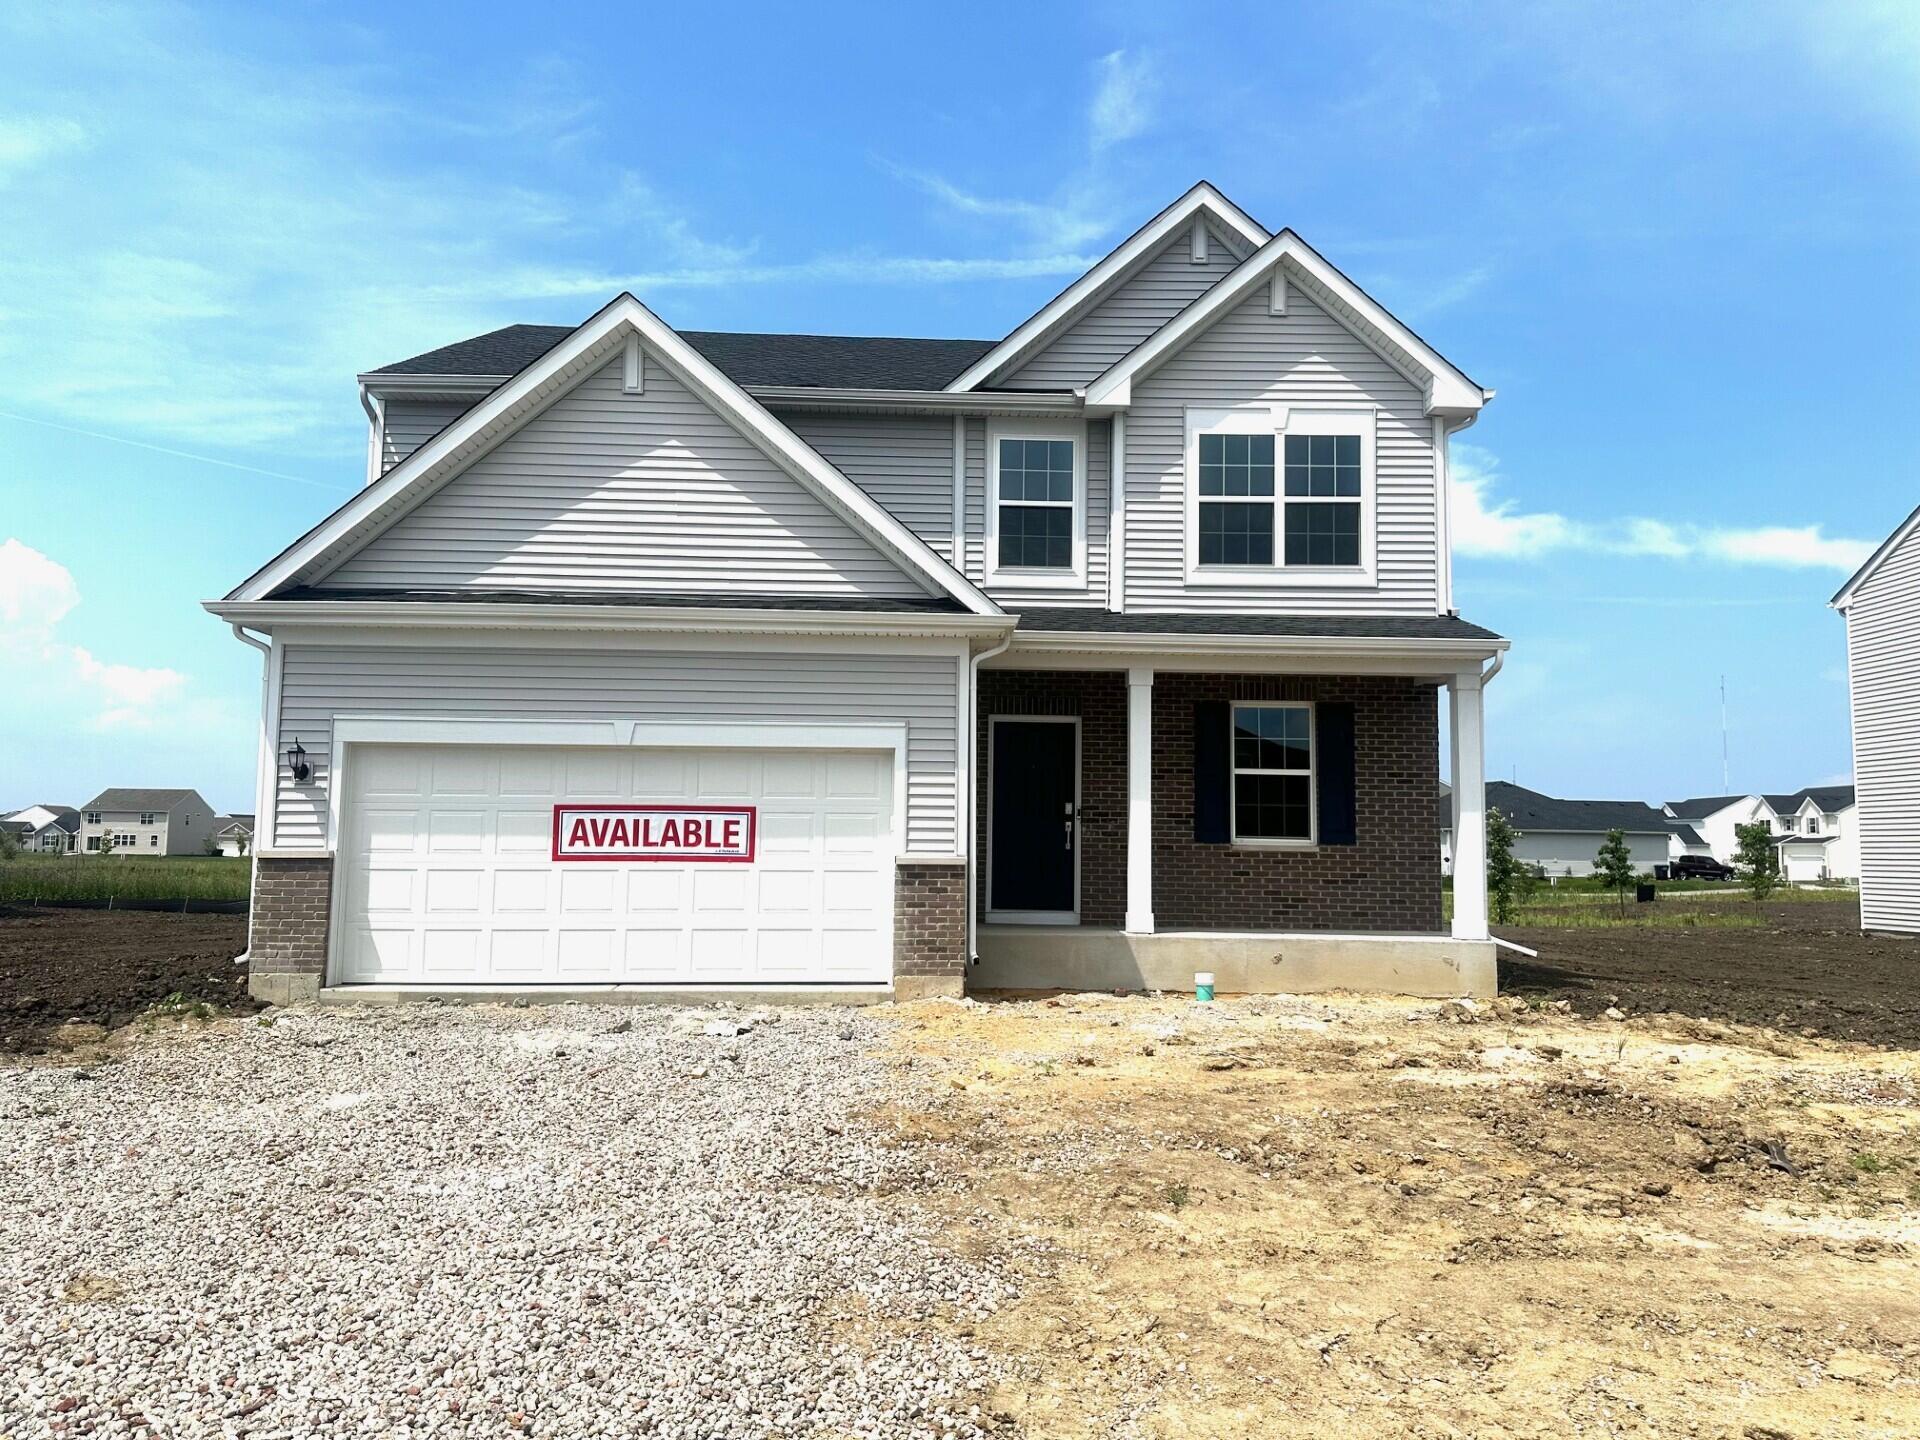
[488, 615]
[1135, 250]
[400, 386]
[1318, 654]
[382, 502]
[1448, 391]
[1843, 597]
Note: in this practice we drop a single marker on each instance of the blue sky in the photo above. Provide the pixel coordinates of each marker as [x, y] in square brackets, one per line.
[1680, 242]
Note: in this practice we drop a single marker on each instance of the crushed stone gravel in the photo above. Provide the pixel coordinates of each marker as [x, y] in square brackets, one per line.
[446, 1220]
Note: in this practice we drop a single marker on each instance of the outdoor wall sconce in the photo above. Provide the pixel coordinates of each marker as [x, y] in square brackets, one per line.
[297, 765]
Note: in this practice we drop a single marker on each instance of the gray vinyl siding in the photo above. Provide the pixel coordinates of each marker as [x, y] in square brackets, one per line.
[1302, 358]
[609, 491]
[549, 682]
[1094, 593]
[411, 423]
[1158, 291]
[1883, 661]
[903, 462]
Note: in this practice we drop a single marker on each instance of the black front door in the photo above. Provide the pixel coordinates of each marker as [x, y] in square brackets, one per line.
[1035, 765]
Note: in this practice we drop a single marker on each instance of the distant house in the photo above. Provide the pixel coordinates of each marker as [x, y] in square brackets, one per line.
[233, 834]
[146, 822]
[1685, 839]
[1714, 817]
[1881, 604]
[1561, 837]
[45, 829]
[1819, 830]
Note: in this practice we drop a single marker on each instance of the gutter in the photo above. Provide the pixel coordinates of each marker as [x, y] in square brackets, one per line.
[266, 698]
[487, 615]
[970, 842]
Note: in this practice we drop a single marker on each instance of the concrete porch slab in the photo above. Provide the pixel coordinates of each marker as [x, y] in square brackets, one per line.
[1035, 957]
[606, 995]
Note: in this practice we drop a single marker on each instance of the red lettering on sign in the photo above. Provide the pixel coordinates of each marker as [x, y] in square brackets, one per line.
[669, 833]
[628, 833]
[577, 835]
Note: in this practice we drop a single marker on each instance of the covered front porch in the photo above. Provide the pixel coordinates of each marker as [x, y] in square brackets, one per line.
[1263, 813]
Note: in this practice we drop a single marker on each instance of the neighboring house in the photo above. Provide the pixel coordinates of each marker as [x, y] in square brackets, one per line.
[46, 829]
[1561, 837]
[1714, 818]
[146, 822]
[1881, 604]
[233, 834]
[1823, 824]
[1685, 839]
[1093, 656]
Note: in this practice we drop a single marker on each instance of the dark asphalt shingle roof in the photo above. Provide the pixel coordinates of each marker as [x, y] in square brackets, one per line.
[1688, 835]
[1701, 806]
[1530, 810]
[1828, 797]
[118, 799]
[1345, 627]
[857, 362]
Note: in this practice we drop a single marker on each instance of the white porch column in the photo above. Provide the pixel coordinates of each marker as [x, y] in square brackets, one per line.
[1140, 801]
[1469, 808]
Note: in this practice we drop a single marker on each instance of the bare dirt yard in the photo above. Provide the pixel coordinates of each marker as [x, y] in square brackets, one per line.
[1667, 1185]
[105, 967]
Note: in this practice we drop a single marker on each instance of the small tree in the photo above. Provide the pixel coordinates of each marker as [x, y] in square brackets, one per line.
[1614, 865]
[9, 845]
[1502, 869]
[211, 846]
[106, 843]
[1755, 860]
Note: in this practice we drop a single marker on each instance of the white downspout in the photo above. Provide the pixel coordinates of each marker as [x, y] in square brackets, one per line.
[972, 841]
[260, 763]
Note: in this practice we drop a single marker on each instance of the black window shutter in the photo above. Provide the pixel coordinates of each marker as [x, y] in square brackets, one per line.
[1333, 734]
[1212, 775]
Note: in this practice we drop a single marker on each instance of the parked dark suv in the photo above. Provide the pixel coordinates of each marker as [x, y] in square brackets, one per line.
[1700, 867]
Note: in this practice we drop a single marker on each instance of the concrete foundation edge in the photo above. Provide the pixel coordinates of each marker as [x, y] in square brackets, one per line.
[281, 988]
[1039, 958]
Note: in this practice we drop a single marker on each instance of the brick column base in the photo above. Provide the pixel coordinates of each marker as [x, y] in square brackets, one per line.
[929, 928]
[288, 948]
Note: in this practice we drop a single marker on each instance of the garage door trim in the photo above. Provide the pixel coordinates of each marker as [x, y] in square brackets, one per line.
[610, 732]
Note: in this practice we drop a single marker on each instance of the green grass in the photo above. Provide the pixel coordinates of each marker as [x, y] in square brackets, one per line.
[28, 878]
[1606, 915]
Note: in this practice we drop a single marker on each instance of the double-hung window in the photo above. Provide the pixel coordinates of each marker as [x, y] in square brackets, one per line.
[1036, 489]
[1273, 794]
[1278, 495]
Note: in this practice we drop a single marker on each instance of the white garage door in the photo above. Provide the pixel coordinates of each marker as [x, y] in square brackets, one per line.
[447, 873]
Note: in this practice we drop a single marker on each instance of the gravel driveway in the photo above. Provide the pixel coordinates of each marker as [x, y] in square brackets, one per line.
[556, 1221]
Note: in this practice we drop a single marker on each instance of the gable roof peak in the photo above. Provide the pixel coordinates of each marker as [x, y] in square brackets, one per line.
[1201, 199]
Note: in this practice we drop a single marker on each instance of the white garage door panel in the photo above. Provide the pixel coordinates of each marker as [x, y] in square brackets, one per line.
[446, 875]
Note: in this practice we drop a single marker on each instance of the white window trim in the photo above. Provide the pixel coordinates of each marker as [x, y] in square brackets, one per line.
[1281, 421]
[1234, 772]
[1027, 576]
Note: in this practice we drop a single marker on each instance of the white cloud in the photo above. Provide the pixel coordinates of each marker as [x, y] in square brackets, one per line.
[27, 140]
[1484, 524]
[1122, 100]
[36, 594]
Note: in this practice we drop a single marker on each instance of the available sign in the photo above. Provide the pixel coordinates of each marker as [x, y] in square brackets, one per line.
[653, 832]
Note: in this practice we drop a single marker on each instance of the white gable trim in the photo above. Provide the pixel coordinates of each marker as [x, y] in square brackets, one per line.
[1844, 596]
[382, 503]
[1448, 391]
[1191, 209]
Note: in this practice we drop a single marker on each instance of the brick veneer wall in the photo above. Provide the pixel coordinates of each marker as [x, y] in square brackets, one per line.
[1388, 881]
[930, 919]
[1099, 698]
[290, 903]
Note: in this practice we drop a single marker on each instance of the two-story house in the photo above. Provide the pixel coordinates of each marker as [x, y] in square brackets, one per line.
[1098, 655]
[145, 822]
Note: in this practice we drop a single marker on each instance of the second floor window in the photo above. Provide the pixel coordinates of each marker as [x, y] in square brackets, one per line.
[1036, 489]
[1279, 497]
